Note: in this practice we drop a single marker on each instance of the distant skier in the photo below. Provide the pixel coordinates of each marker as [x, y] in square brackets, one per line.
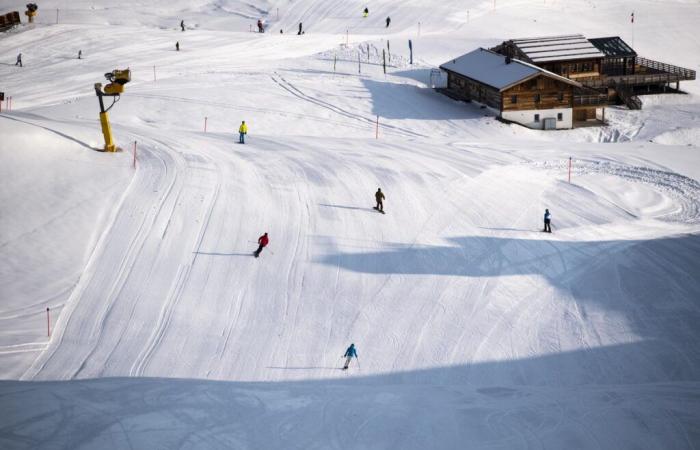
[388, 21]
[261, 28]
[177, 46]
[242, 131]
[19, 60]
[262, 243]
[547, 221]
[300, 31]
[80, 54]
[182, 25]
[349, 353]
[379, 196]
[365, 13]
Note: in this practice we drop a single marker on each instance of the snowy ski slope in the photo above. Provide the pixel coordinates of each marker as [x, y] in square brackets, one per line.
[473, 328]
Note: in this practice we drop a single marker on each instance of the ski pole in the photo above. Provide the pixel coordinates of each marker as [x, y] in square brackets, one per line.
[358, 363]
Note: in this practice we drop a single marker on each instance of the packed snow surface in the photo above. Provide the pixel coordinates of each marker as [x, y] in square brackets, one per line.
[473, 328]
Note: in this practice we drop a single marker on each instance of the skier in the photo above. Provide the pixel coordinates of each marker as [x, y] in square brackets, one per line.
[388, 21]
[80, 54]
[177, 46]
[300, 32]
[182, 25]
[365, 13]
[547, 221]
[242, 130]
[19, 60]
[262, 243]
[261, 29]
[379, 196]
[349, 353]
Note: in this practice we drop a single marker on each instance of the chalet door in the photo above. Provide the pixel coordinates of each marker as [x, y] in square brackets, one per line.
[550, 123]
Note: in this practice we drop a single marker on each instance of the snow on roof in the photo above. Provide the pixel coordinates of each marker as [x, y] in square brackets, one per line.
[490, 68]
[557, 48]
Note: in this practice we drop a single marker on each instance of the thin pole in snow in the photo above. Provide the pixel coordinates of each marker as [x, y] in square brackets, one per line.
[335, 59]
[205, 124]
[134, 154]
[56, 15]
[48, 323]
[376, 133]
[569, 169]
[359, 64]
[278, 14]
[418, 29]
[10, 108]
[347, 37]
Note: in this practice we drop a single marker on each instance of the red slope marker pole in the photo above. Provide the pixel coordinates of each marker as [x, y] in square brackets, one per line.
[569, 169]
[48, 323]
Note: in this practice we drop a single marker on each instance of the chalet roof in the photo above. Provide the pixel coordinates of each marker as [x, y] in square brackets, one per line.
[557, 48]
[491, 69]
[613, 46]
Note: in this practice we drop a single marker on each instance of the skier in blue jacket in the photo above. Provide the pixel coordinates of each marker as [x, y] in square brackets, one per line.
[349, 353]
[547, 221]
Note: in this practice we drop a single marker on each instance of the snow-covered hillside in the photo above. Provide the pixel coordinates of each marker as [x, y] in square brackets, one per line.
[473, 328]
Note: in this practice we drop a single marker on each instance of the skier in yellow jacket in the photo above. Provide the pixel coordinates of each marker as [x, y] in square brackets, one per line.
[242, 131]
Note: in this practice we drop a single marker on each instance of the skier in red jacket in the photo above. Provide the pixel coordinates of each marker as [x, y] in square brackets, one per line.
[262, 241]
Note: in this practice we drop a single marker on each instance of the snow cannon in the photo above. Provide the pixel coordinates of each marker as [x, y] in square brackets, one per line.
[31, 11]
[117, 79]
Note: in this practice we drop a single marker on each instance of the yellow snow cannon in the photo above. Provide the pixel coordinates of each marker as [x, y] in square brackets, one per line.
[117, 79]
[31, 11]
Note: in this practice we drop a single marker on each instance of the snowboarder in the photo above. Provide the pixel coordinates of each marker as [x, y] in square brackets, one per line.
[388, 21]
[261, 28]
[379, 196]
[547, 221]
[300, 32]
[349, 353]
[80, 54]
[262, 243]
[242, 131]
[365, 13]
[177, 46]
[182, 25]
[19, 60]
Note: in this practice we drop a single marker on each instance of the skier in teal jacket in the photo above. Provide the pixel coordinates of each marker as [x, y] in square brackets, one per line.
[349, 353]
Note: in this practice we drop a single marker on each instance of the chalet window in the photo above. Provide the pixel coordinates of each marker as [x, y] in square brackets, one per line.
[514, 99]
[537, 117]
[560, 117]
[561, 97]
[537, 98]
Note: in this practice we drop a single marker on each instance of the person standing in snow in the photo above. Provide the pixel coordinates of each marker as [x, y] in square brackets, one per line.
[300, 32]
[261, 29]
[177, 46]
[182, 25]
[80, 54]
[19, 60]
[379, 196]
[365, 13]
[388, 21]
[349, 353]
[262, 243]
[547, 221]
[242, 131]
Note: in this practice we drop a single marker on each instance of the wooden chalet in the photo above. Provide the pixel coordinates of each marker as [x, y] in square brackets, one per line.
[518, 91]
[605, 65]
